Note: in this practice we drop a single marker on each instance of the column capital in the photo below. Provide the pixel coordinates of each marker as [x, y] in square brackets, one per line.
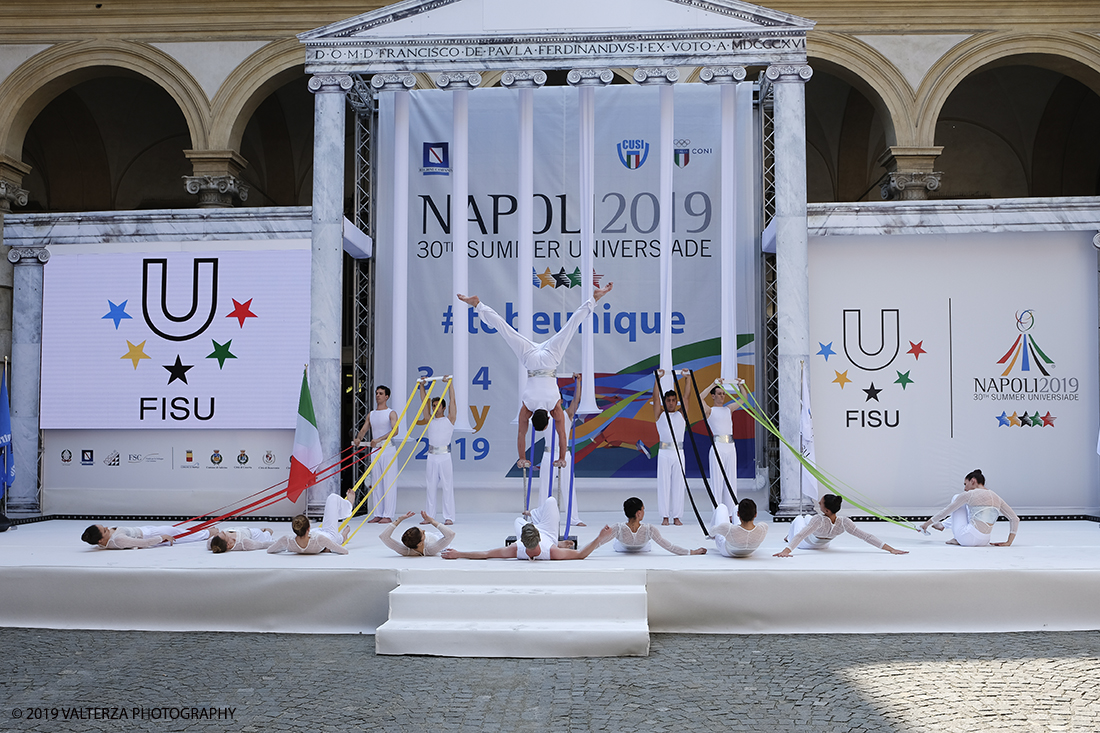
[909, 172]
[329, 83]
[12, 172]
[11, 194]
[392, 82]
[656, 75]
[722, 74]
[523, 79]
[458, 80]
[1096, 240]
[28, 255]
[788, 73]
[590, 77]
[216, 177]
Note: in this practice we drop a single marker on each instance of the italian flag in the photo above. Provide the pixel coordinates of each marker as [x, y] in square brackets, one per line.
[307, 446]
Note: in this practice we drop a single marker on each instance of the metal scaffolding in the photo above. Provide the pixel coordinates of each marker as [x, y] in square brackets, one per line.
[770, 326]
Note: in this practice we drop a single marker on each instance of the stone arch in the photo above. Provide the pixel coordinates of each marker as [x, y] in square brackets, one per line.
[248, 85]
[874, 76]
[1073, 54]
[32, 86]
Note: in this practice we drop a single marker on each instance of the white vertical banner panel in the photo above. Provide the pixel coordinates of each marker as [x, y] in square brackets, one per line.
[460, 185]
[932, 356]
[400, 320]
[730, 189]
[587, 119]
[525, 193]
[745, 204]
[665, 148]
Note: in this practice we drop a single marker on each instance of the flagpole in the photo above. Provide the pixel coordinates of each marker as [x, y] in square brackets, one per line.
[801, 437]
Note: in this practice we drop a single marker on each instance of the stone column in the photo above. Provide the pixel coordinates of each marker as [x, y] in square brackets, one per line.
[217, 177]
[326, 268]
[909, 173]
[791, 263]
[26, 374]
[11, 193]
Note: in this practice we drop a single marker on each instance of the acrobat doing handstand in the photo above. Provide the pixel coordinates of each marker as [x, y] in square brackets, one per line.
[541, 398]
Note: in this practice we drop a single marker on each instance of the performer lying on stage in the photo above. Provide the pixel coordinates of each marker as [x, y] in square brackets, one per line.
[415, 542]
[440, 470]
[547, 469]
[633, 536]
[720, 419]
[670, 474]
[973, 514]
[815, 533]
[136, 538]
[742, 539]
[538, 538]
[327, 538]
[541, 398]
[239, 539]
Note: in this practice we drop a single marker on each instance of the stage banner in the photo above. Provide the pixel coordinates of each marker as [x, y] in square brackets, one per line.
[620, 441]
[935, 355]
[198, 335]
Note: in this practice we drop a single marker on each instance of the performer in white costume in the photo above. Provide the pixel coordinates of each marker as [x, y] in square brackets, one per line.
[815, 533]
[240, 539]
[137, 538]
[415, 542]
[329, 538]
[973, 514]
[741, 539]
[381, 422]
[633, 536]
[670, 474]
[541, 398]
[440, 470]
[720, 418]
[547, 469]
[537, 537]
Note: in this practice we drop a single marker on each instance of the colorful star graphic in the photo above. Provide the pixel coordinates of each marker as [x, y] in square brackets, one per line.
[118, 312]
[178, 370]
[546, 279]
[916, 351]
[1048, 419]
[221, 353]
[136, 353]
[561, 280]
[1014, 420]
[826, 350]
[872, 393]
[575, 278]
[903, 379]
[841, 378]
[1002, 419]
[241, 311]
[1036, 420]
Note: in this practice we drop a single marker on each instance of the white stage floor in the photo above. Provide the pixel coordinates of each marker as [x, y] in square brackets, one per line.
[1048, 580]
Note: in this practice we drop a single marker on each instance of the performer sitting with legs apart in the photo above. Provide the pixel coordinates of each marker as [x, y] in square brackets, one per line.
[537, 539]
[440, 470]
[742, 539]
[815, 533]
[415, 542]
[328, 538]
[541, 398]
[633, 536]
[973, 514]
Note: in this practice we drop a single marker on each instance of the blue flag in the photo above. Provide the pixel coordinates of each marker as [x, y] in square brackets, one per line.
[8, 466]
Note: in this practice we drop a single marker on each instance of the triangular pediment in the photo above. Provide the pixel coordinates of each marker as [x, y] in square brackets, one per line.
[508, 18]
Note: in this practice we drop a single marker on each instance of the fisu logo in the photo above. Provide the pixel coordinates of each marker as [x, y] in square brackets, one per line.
[888, 340]
[204, 299]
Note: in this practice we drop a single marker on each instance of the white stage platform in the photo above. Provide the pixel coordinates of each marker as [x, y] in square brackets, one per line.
[1048, 580]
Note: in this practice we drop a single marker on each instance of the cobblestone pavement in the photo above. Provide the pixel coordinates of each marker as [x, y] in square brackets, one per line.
[55, 681]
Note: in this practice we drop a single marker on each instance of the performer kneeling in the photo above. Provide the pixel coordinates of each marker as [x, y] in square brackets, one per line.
[240, 539]
[537, 538]
[973, 514]
[815, 533]
[137, 538]
[633, 536]
[327, 539]
[739, 540]
[541, 398]
[415, 541]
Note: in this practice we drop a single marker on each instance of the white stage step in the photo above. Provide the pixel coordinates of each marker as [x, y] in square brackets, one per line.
[532, 611]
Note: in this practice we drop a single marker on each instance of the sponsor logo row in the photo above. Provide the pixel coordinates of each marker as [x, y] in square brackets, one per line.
[114, 458]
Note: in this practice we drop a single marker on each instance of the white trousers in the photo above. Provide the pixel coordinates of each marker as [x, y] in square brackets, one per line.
[545, 516]
[441, 476]
[727, 453]
[670, 484]
[620, 547]
[966, 534]
[811, 542]
[547, 469]
[385, 496]
[337, 509]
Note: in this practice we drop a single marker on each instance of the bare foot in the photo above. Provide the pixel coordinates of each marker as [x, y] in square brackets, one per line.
[448, 522]
[677, 522]
[664, 522]
[470, 300]
[425, 522]
[952, 542]
[374, 520]
[600, 292]
[384, 520]
[579, 524]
